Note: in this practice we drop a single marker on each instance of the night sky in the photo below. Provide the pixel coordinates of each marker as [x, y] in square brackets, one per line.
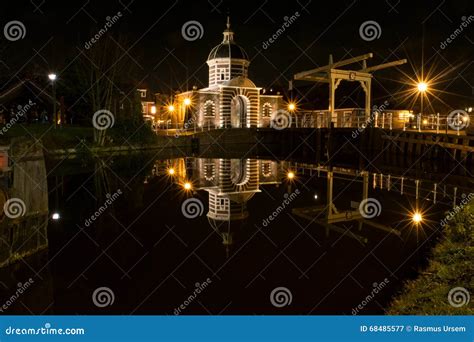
[57, 30]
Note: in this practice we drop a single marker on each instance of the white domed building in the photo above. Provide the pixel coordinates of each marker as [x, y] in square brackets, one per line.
[231, 99]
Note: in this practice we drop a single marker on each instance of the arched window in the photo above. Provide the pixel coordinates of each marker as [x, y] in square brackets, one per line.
[209, 109]
[267, 110]
[266, 169]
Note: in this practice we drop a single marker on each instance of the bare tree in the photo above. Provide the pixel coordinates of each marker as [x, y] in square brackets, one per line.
[102, 70]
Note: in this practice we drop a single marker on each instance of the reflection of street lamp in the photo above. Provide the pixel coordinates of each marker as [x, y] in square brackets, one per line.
[417, 217]
[153, 109]
[52, 78]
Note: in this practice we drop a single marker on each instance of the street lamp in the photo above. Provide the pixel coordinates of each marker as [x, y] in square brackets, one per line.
[422, 88]
[187, 186]
[52, 78]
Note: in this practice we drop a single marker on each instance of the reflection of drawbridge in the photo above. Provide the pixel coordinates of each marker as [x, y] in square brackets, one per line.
[327, 215]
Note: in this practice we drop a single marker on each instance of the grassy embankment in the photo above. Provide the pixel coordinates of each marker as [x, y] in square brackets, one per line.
[451, 265]
[74, 136]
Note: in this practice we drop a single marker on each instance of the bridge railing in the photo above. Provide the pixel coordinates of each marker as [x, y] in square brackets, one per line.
[401, 120]
[342, 118]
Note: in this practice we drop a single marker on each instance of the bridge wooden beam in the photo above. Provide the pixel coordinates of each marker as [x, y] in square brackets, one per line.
[302, 75]
[384, 66]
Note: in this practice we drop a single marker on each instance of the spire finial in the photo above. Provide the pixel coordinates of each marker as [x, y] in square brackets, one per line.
[228, 34]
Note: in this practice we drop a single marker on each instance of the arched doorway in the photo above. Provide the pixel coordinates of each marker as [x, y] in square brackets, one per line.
[239, 111]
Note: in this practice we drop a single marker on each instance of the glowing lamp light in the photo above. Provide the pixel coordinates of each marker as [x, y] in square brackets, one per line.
[425, 122]
[52, 77]
[170, 108]
[422, 87]
[187, 101]
[417, 217]
[187, 186]
[153, 109]
[55, 216]
[290, 175]
[315, 196]
[291, 107]
[171, 171]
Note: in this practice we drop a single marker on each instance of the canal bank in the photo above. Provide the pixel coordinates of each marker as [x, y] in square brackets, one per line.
[446, 285]
[319, 143]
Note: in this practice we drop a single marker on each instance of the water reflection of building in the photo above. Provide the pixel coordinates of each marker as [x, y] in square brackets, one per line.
[230, 183]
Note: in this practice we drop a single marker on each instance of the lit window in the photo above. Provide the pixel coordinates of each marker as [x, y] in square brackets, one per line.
[209, 108]
[267, 110]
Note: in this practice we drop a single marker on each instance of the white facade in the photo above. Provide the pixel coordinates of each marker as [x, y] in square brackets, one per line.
[231, 99]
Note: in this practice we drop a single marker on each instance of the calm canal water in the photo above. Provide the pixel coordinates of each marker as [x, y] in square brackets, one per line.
[219, 235]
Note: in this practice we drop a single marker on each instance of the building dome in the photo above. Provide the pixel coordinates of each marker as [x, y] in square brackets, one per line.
[227, 60]
[228, 50]
[240, 81]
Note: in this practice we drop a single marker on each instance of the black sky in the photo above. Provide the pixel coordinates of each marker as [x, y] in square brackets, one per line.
[55, 30]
